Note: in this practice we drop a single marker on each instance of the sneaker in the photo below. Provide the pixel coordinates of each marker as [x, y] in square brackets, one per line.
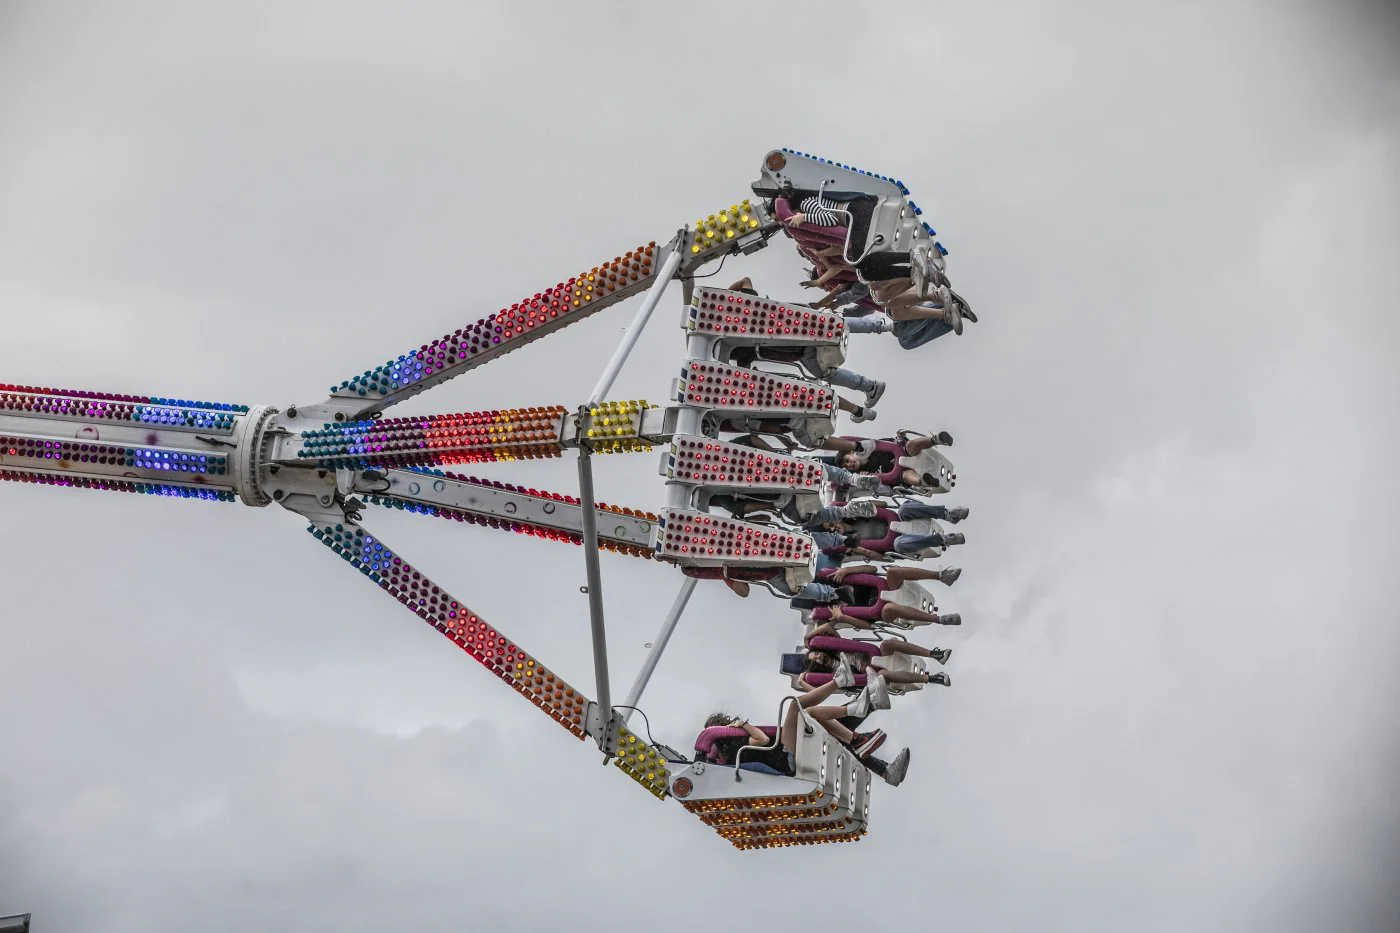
[949, 575]
[942, 679]
[957, 515]
[941, 655]
[843, 676]
[950, 618]
[952, 538]
[874, 393]
[864, 508]
[964, 308]
[952, 316]
[864, 413]
[943, 439]
[867, 482]
[879, 692]
[866, 744]
[860, 707]
[897, 769]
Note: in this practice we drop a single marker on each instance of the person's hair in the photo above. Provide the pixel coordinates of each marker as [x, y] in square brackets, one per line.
[814, 666]
[851, 540]
[719, 719]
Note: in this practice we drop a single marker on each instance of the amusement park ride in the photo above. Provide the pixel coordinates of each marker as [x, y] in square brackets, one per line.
[328, 460]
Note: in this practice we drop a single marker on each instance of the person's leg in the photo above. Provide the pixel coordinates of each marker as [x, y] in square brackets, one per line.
[912, 510]
[913, 544]
[828, 717]
[899, 646]
[907, 677]
[817, 592]
[872, 324]
[811, 698]
[858, 413]
[898, 576]
[862, 211]
[846, 379]
[839, 444]
[894, 612]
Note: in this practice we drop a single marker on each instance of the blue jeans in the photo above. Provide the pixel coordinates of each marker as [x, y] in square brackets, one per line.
[913, 510]
[908, 544]
[874, 324]
[914, 334]
[912, 544]
[849, 380]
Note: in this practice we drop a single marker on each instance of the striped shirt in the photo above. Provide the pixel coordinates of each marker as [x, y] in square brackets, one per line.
[819, 214]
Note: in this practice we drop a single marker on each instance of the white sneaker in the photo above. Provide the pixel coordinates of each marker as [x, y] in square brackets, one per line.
[864, 413]
[864, 508]
[949, 575]
[843, 676]
[860, 707]
[897, 769]
[879, 692]
[874, 393]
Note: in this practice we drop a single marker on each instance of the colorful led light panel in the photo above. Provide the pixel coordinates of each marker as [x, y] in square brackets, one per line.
[467, 437]
[203, 416]
[733, 388]
[707, 462]
[719, 230]
[684, 536]
[439, 609]
[113, 485]
[735, 314]
[573, 298]
[642, 763]
[613, 427]
[74, 454]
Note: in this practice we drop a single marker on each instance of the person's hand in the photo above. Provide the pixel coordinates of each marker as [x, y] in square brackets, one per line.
[836, 612]
[796, 220]
[838, 574]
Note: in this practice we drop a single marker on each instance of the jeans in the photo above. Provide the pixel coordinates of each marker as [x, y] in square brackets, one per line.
[914, 334]
[874, 324]
[837, 477]
[912, 544]
[912, 510]
[849, 380]
[909, 544]
[817, 592]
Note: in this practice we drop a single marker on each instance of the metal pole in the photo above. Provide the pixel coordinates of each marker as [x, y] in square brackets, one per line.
[595, 582]
[629, 340]
[658, 646]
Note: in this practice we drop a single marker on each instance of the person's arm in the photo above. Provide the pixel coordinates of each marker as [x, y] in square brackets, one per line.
[756, 735]
[825, 277]
[824, 629]
[816, 212]
[838, 616]
[841, 573]
[865, 552]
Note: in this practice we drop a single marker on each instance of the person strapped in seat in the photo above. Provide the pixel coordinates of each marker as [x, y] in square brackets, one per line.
[880, 538]
[725, 737]
[873, 666]
[888, 277]
[884, 457]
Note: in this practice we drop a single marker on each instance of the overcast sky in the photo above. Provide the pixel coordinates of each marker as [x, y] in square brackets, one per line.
[1173, 701]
